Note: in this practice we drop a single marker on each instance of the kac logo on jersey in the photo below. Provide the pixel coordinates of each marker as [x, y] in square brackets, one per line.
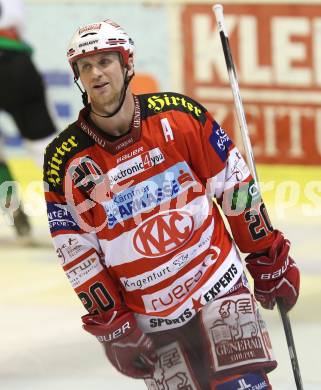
[60, 218]
[220, 141]
[163, 233]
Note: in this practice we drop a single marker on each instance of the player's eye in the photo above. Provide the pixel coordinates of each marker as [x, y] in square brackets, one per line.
[85, 67]
[104, 61]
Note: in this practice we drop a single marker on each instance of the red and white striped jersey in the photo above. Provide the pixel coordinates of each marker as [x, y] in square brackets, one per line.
[133, 220]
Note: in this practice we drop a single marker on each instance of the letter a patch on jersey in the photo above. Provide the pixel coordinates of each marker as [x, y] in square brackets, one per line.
[167, 130]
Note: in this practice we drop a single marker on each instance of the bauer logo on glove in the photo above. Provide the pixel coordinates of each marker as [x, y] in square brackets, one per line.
[275, 274]
[128, 349]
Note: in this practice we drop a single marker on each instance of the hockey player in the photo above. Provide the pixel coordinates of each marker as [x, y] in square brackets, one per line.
[129, 190]
[22, 96]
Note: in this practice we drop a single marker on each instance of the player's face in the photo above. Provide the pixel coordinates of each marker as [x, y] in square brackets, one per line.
[102, 76]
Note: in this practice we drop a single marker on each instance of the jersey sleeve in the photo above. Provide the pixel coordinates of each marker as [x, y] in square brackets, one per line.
[221, 167]
[77, 245]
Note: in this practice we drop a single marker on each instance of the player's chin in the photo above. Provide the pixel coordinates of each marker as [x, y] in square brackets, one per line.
[110, 100]
[100, 94]
[100, 99]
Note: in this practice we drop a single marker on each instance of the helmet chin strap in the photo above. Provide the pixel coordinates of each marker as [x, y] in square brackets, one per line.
[121, 99]
[84, 95]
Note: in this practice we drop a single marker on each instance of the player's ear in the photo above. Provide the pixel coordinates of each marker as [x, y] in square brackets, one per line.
[130, 66]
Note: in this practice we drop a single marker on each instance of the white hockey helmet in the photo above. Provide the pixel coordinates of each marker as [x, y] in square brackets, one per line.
[99, 37]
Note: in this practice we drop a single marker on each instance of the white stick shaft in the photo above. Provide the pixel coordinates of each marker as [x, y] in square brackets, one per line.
[218, 10]
[243, 125]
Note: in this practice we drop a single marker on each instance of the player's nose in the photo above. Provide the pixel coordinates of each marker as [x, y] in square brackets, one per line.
[96, 72]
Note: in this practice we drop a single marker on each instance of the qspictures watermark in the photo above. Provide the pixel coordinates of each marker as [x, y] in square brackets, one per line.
[285, 198]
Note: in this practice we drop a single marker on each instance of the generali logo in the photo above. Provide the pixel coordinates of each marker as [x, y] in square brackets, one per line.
[163, 233]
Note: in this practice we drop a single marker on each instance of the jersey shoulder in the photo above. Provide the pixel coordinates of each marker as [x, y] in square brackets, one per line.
[156, 103]
[60, 150]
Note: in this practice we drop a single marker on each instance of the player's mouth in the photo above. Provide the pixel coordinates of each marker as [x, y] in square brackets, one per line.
[100, 86]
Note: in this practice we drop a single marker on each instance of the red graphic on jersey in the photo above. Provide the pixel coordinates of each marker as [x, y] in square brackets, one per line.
[147, 162]
[197, 305]
[184, 178]
[163, 233]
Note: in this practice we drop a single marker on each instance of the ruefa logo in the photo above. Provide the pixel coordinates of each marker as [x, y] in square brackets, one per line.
[176, 292]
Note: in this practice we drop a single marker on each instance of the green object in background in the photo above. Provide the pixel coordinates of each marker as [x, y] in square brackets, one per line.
[5, 175]
[10, 202]
[11, 44]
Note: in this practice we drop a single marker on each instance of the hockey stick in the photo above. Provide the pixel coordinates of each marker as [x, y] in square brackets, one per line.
[218, 11]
